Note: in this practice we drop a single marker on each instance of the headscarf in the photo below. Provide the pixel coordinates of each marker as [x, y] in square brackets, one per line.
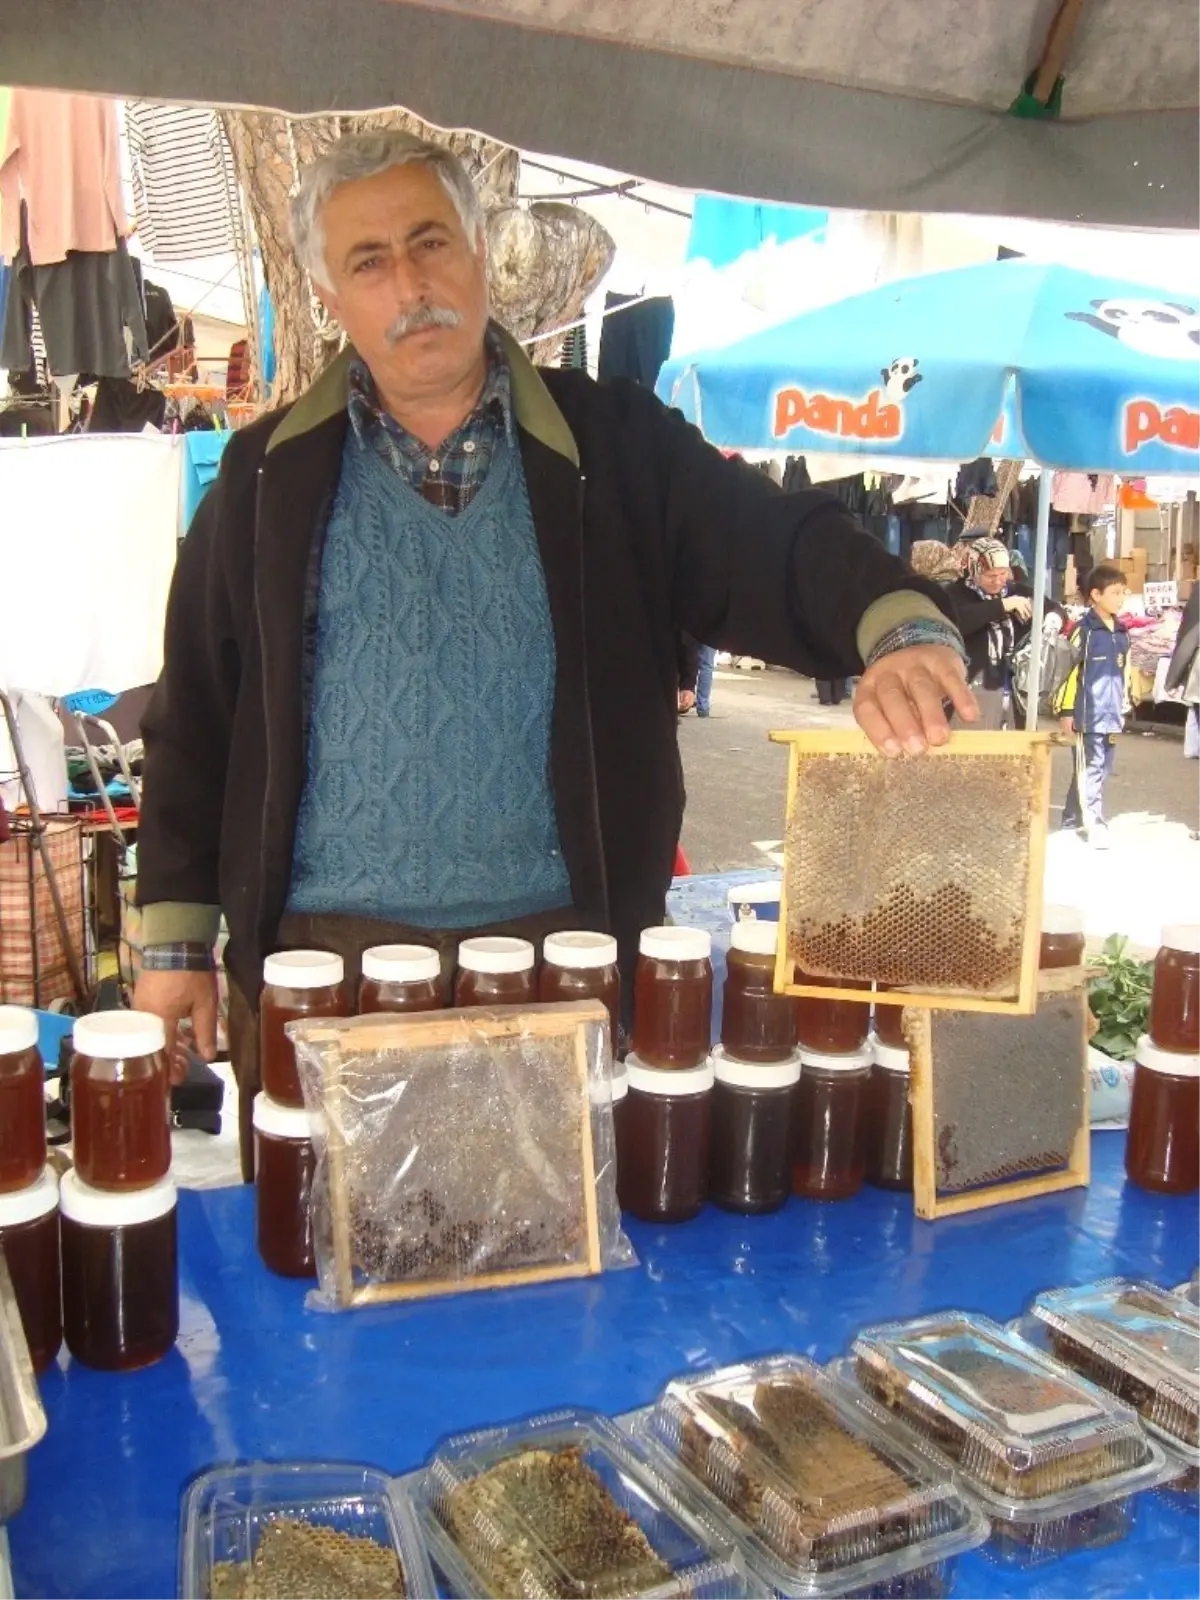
[932, 559]
[986, 555]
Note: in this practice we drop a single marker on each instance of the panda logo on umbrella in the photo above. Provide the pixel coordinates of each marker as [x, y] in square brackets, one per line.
[900, 379]
[1161, 328]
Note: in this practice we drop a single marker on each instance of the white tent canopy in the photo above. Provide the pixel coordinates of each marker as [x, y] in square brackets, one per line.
[895, 105]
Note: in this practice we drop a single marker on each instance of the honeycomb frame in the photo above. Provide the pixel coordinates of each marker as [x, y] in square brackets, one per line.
[931, 1202]
[998, 923]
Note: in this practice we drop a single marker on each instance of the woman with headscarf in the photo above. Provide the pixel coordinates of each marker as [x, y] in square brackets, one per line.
[993, 615]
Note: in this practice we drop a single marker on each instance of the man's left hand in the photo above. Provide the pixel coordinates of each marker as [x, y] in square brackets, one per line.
[900, 700]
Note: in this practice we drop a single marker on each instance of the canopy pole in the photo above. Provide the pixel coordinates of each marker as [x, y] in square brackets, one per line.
[1040, 563]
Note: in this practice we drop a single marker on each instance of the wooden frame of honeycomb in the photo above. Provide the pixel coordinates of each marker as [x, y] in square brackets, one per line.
[378, 1049]
[924, 875]
[992, 1038]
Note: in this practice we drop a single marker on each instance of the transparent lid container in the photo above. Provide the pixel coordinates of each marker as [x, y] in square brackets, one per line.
[823, 1498]
[299, 1528]
[1019, 1425]
[1139, 1342]
[562, 1506]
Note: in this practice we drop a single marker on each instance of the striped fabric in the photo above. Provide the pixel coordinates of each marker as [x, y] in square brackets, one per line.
[184, 184]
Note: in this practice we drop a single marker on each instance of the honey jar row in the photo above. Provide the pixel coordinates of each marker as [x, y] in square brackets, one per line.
[1162, 1152]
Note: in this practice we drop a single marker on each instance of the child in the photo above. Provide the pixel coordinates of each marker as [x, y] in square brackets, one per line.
[1092, 702]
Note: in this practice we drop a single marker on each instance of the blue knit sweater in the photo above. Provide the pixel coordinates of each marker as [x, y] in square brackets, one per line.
[427, 798]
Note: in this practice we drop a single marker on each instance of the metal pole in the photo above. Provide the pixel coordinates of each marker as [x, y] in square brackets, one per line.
[1033, 689]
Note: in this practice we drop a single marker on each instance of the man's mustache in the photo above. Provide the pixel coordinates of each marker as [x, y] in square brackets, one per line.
[424, 316]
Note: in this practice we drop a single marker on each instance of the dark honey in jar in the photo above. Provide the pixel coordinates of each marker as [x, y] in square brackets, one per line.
[495, 970]
[827, 1156]
[1175, 997]
[296, 984]
[662, 1158]
[400, 978]
[672, 998]
[29, 1243]
[751, 1132]
[284, 1162]
[620, 1105]
[120, 1274]
[22, 1101]
[889, 1021]
[887, 1119]
[1062, 937]
[582, 966]
[756, 1023]
[120, 1100]
[831, 1027]
[1163, 1147]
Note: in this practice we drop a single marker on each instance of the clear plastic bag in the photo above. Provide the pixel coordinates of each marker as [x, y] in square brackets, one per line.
[460, 1150]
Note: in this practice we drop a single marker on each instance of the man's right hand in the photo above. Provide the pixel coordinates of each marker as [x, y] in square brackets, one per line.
[179, 997]
[1019, 606]
[1067, 724]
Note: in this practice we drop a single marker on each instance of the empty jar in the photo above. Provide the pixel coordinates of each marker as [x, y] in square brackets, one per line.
[662, 1161]
[284, 1163]
[751, 1132]
[1062, 937]
[756, 1023]
[827, 1159]
[672, 998]
[831, 1027]
[120, 1100]
[22, 1100]
[1175, 997]
[1162, 1151]
[887, 1119]
[582, 966]
[495, 970]
[29, 1242]
[296, 984]
[120, 1274]
[400, 978]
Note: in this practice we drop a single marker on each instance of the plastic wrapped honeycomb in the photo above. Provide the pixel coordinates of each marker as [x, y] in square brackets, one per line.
[917, 874]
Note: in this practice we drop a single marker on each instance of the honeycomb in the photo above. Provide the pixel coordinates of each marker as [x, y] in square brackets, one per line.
[302, 1561]
[914, 874]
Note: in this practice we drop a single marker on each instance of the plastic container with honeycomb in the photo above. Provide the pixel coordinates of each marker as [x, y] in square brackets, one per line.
[561, 1505]
[823, 1499]
[1190, 1290]
[1136, 1341]
[883, 884]
[301, 1528]
[1054, 1462]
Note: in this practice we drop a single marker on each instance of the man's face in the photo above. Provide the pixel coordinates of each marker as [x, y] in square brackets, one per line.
[1109, 601]
[994, 580]
[395, 249]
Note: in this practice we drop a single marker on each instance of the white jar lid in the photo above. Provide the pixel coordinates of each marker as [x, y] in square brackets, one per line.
[401, 963]
[580, 950]
[1064, 920]
[607, 1091]
[676, 944]
[18, 1029]
[765, 893]
[105, 1208]
[1183, 936]
[304, 969]
[496, 953]
[1175, 1062]
[892, 1057]
[759, 938]
[620, 1086]
[118, 1035]
[852, 1061]
[278, 1121]
[667, 1080]
[28, 1204]
[737, 1074]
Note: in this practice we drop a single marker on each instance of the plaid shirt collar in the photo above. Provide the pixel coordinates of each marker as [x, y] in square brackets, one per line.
[369, 417]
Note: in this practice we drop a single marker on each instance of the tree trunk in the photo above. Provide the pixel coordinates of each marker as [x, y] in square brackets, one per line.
[543, 261]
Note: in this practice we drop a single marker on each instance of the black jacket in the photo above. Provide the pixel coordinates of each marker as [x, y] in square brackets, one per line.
[1187, 642]
[643, 528]
[975, 614]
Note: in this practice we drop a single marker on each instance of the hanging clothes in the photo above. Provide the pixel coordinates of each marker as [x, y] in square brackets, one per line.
[266, 334]
[574, 350]
[1089, 493]
[635, 340]
[89, 310]
[61, 156]
[121, 407]
[184, 183]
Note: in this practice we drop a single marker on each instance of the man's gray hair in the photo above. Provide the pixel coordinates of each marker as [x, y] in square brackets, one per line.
[364, 155]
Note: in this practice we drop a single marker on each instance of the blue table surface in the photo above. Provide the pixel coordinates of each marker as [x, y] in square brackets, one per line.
[256, 1375]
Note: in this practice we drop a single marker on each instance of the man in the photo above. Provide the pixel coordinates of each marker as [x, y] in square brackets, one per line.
[420, 672]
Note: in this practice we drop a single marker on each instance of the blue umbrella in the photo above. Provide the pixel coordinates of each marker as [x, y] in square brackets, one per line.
[1073, 369]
